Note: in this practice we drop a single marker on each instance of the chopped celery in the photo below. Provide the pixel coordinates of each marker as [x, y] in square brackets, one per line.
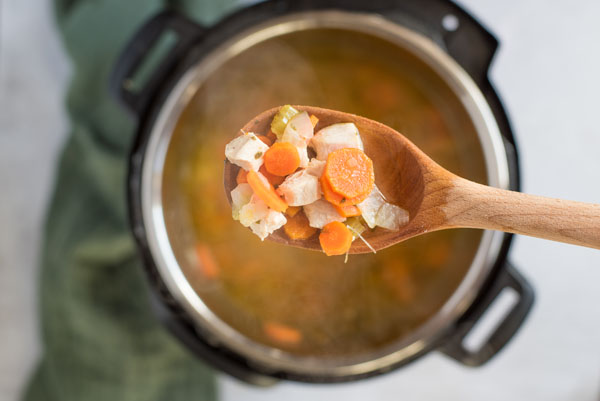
[355, 225]
[283, 116]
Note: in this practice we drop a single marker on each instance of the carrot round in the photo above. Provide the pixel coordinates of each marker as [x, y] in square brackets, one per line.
[349, 172]
[241, 177]
[282, 159]
[347, 210]
[266, 140]
[281, 333]
[335, 238]
[314, 120]
[272, 178]
[337, 199]
[297, 227]
[265, 191]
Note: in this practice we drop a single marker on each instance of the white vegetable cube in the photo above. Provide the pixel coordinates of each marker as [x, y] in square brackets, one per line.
[320, 213]
[301, 126]
[334, 137]
[300, 188]
[271, 222]
[391, 217]
[253, 211]
[370, 206]
[246, 151]
[240, 196]
[316, 167]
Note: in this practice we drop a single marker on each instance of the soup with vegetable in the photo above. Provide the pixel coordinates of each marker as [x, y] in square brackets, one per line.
[299, 301]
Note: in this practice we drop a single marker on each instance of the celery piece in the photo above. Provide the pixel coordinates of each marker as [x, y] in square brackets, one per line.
[355, 225]
[283, 116]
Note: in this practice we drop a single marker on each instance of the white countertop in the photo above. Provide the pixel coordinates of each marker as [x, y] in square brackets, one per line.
[548, 73]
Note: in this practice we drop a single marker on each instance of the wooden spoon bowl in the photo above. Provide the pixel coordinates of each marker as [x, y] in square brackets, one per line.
[435, 198]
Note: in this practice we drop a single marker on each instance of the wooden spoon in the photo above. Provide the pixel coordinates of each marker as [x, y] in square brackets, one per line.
[435, 198]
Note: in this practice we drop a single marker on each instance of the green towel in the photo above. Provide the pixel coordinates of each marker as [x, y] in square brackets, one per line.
[100, 338]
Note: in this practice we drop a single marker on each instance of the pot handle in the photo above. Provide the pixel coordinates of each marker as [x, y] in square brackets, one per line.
[149, 57]
[455, 347]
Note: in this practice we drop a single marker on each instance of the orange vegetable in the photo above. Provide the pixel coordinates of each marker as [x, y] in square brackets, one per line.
[347, 210]
[282, 159]
[241, 176]
[337, 199]
[265, 191]
[271, 135]
[297, 227]
[349, 172]
[273, 179]
[267, 141]
[292, 210]
[206, 259]
[335, 238]
[281, 333]
[314, 120]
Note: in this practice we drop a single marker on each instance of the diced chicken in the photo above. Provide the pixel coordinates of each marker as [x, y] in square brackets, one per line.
[271, 222]
[300, 125]
[300, 189]
[240, 196]
[300, 143]
[253, 211]
[320, 213]
[246, 151]
[391, 217]
[334, 137]
[315, 167]
[370, 206]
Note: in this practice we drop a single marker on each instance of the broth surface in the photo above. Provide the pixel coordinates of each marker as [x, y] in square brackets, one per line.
[339, 309]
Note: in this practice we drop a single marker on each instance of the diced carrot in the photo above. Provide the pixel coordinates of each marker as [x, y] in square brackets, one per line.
[267, 141]
[297, 227]
[273, 179]
[271, 135]
[337, 199]
[349, 172]
[347, 210]
[265, 191]
[281, 333]
[335, 238]
[314, 120]
[241, 176]
[282, 159]
[292, 210]
[206, 259]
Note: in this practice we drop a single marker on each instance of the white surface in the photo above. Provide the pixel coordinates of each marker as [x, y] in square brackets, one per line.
[548, 73]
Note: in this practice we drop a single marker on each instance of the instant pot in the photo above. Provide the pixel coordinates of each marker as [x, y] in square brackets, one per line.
[444, 37]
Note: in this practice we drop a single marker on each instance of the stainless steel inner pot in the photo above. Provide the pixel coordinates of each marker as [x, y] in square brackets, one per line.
[206, 322]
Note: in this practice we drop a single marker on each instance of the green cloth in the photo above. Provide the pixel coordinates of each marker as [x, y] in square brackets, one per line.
[100, 338]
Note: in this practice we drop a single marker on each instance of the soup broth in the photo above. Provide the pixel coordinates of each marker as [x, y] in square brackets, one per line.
[338, 309]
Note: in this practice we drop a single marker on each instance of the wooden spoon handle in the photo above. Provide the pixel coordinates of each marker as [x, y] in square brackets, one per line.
[478, 206]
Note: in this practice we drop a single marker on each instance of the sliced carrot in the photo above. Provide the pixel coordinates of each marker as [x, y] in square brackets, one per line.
[349, 172]
[337, 199]
[273, 179]
[347, 210]
[267, 141]
[271, 135]
[297, 227]
[314, 120]
[206, 259]
[282, 159]
[281, 333]
[292, 210]
[335, 238]
[241, 176]
[265, 191]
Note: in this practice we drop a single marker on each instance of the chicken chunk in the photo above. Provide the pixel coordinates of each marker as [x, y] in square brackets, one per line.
[315, 167]
[253, 211]
[301, 126]
[246, 151]
[271, 222]
[320, 213]
[300, 189]
[370, 206]
[391, 217]
[240, 196]
[334, 137]
[299, 142]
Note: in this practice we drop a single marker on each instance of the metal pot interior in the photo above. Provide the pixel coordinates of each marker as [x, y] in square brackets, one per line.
[291, 309]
